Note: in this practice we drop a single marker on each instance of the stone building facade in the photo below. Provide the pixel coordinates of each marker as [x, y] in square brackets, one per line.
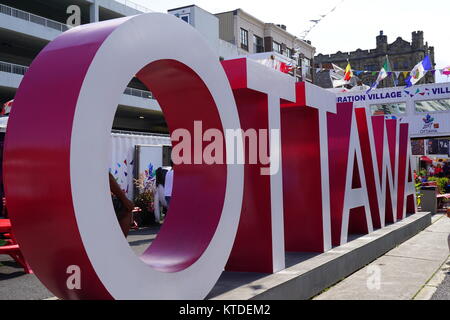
[403, 56]
[252, 35]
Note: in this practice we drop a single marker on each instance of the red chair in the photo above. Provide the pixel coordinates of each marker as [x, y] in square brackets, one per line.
[14, 252]
[12, 248]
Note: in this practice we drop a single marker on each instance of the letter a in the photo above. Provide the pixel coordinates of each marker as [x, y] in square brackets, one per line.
[74, 280]
[355, 198]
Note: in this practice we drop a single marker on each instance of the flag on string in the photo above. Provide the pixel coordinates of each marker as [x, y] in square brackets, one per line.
[384, 72]
[446, 71]
[396, 75]
[418, 72]
[337, 76]
[286, 68]
[405, 74]
[348, 72]
[7, 108]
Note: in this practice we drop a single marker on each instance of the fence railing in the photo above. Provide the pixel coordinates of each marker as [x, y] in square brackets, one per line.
[12, 68]
[118, 131]
[33, 18]
[134, 5]
[138, 93]
[21, 70]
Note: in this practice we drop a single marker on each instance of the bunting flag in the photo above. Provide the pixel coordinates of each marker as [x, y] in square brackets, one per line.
[446, 71]
[285, 68]
[342, 77]
[418, 72]
[383, 74]
[337, 75]
[348, 72]
[6, 108]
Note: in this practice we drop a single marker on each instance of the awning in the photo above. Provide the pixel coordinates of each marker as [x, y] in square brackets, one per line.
[426, 159]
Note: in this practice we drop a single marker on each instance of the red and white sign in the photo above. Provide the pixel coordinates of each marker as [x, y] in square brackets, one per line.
[333, 171]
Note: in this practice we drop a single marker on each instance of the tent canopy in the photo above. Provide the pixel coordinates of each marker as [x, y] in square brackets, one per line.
[426, 159]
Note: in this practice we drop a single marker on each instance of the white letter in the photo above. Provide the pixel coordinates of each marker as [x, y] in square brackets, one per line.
[181, 152]
[74, 20]
[215, 147]
[74, 280]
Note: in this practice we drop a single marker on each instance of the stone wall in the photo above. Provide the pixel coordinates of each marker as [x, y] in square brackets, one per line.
[403, 56]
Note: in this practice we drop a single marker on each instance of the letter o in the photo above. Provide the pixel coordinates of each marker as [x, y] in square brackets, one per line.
[58, 148]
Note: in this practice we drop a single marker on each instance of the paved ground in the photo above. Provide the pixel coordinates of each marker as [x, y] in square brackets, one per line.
[443, 291]
[16, 285]
[402, 273]
[417, 268]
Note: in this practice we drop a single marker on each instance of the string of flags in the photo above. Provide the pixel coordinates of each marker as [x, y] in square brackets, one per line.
[315, 22]
[444, 71]
[411, 77]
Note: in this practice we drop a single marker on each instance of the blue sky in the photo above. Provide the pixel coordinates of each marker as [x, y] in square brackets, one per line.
[354, 24]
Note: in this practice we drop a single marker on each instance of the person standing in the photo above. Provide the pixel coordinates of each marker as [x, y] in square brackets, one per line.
[431, 170]
[168, 185]
[159, 198]
[122, 205]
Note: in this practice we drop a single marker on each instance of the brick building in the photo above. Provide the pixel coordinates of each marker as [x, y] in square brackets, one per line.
[403, 56]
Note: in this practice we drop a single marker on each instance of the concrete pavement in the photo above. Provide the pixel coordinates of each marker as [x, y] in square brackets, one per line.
[418, 269]
[443, 289]
[16, 285]
[403, 272]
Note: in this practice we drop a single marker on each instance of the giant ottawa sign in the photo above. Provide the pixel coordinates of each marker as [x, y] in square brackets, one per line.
[340, 172]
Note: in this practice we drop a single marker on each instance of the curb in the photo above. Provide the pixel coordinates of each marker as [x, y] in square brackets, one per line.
[307, 279]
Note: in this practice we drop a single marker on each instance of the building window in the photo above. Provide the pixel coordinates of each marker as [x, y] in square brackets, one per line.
[388, 108]
[276, 47]
[306, 68]
[185, 17]
[433, 105]
[258, 45]
[288, 53]
[244, 39]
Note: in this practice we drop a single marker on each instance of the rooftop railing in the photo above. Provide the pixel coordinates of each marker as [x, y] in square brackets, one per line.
[134, 5]
[33, 18]
[12, 68]
[138, 93]
[21, 70]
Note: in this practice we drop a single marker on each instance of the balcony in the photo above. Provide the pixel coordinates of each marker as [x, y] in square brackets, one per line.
[138, 93]
[12, 74]
[13, 68]
[134, 6]
[33, 18]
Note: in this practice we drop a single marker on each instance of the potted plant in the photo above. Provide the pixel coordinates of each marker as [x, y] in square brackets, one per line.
[144, 199]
